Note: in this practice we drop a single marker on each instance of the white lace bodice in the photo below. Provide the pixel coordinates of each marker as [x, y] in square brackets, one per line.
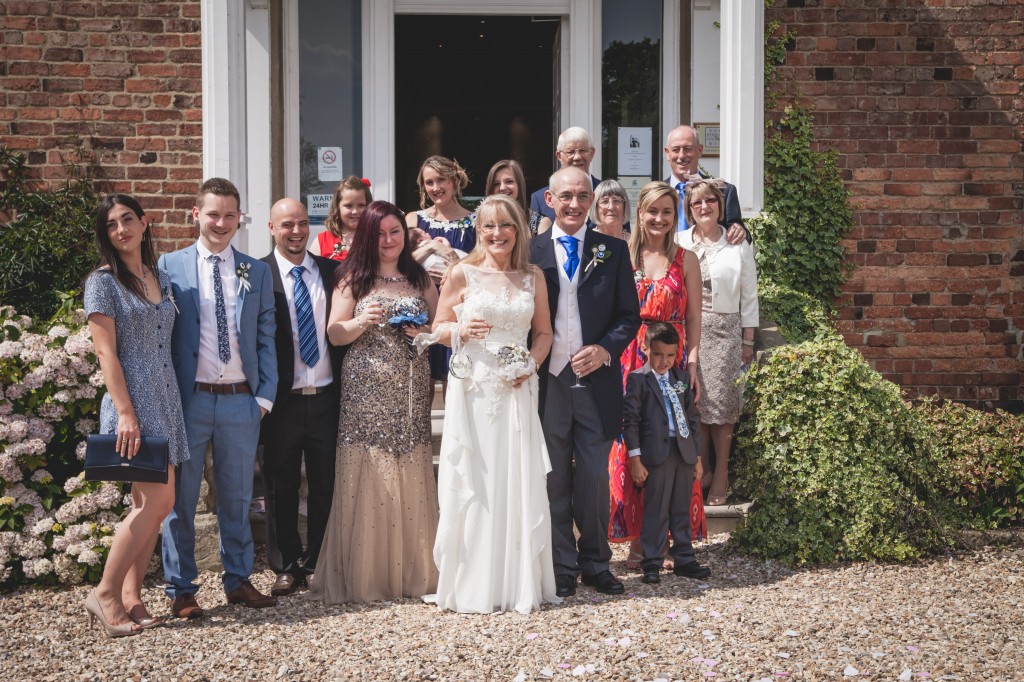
[504, 299]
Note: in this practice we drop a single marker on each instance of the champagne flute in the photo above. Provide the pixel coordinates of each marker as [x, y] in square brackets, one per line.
[578, 377]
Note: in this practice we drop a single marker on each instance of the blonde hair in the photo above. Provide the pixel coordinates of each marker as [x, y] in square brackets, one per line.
[446, 168]
[650, 193]
[333, 220]
[497, 208]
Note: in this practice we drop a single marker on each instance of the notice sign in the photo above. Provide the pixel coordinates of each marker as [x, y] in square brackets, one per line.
[317, 205]
[632, 185]
[635, 151]
[328, 164]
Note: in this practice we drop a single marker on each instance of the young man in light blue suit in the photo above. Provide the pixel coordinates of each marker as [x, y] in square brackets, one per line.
[224, 357]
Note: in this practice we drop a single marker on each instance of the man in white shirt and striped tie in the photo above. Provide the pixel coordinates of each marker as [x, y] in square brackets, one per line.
[304, 423]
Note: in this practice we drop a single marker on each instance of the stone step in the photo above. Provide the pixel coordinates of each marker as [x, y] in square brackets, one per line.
[726, 518]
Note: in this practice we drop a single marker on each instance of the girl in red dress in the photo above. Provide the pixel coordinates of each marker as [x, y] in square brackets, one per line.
[351, 196]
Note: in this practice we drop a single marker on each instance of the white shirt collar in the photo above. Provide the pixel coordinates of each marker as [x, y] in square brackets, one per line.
[557, 232]
[227, 255]
[285, 265]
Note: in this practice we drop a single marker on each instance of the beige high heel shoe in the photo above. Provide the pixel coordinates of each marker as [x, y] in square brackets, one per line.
[92, 607]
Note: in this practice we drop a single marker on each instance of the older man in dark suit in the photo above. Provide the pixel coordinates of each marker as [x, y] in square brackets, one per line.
[594, 314]
[304, 423]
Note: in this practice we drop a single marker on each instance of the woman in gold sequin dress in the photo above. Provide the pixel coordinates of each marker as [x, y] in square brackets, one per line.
[384, 513]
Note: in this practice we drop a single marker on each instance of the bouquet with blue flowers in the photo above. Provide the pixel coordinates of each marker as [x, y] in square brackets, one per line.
[404, 314]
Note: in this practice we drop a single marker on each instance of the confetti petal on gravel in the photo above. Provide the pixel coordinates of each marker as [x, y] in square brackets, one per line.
[862, 608]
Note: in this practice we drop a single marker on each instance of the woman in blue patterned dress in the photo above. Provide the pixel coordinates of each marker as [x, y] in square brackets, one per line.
[131, 314]
[441, 181]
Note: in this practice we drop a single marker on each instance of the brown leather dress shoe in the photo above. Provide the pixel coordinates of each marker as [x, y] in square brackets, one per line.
[186, 606]
[247, 595]
[285, 585]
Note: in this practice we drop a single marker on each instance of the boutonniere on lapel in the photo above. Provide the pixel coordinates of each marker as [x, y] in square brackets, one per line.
[243, 278]
[600, 255]
[679, 387]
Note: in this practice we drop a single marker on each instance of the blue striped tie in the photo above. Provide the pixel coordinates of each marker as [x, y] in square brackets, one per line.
[309, 349]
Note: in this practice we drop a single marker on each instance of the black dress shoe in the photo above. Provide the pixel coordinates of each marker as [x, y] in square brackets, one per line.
[605, 583]
[565, 585]
[652, 576]
[692, 570]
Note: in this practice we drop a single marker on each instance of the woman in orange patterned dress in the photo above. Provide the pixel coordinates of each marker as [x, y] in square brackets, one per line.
[668, 284]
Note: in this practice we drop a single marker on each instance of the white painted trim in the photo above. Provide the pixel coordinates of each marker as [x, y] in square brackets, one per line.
[742, 97]
[580, 66]
[290, 105]
[670, 76]
[519, 7]
[378, 82]
[258, 102]
[581, 58]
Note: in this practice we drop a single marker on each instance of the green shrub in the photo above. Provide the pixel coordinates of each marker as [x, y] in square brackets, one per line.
[799, 316]
[806, 211]
[46, 237]
[833, 458]
[982, 454]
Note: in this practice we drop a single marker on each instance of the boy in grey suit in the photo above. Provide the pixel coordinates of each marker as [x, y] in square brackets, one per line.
[660, 427]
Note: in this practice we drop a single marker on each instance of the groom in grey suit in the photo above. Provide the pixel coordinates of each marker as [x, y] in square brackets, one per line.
[595, 314]
[223, 351]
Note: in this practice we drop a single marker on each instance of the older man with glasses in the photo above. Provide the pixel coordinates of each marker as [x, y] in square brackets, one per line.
[574, 150]
[683, 151]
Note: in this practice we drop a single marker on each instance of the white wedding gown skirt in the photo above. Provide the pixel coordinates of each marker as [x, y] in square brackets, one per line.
[493, 543]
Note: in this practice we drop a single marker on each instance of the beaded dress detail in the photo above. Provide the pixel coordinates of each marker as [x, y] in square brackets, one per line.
[384, 512]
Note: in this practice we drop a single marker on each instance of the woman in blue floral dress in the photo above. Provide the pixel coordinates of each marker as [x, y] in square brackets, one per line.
[441, 181]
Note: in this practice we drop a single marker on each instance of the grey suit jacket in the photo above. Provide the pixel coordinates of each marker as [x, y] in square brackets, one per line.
[254, 320]
[645, 418]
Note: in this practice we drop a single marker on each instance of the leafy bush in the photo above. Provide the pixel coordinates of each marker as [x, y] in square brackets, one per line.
[799, 316]
[836, 462]
[806, 214]
[983, 455]
[46, 237]
[50, 388]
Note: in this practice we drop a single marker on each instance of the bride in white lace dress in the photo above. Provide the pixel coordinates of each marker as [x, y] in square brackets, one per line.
[493, 546]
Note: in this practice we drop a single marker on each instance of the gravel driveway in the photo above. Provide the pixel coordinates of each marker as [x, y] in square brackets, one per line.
[956, 618]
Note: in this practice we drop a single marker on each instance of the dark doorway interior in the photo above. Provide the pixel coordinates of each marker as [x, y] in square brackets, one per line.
[477, 89]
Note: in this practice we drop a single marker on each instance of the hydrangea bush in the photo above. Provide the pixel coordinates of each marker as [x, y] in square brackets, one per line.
[55, 527]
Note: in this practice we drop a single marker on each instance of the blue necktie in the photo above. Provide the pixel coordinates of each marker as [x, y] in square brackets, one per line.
[681, 222]
[572, 258]
[674, 408]
[223, 348]
[309, 349]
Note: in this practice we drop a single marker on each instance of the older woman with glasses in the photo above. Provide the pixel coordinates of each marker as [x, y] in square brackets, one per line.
[610, 210]
[729, 317]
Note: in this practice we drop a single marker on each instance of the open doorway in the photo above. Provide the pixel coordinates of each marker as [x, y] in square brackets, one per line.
[476, 89]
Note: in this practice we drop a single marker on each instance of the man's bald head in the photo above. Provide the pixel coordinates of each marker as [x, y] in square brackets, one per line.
[289, 225]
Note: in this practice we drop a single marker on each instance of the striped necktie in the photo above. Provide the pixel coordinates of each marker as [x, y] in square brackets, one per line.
[309, 349]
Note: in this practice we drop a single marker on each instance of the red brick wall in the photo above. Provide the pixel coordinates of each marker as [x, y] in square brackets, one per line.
[924, 106]
[124, 79]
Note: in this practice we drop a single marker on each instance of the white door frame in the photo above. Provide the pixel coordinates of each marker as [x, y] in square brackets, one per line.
[580, 56]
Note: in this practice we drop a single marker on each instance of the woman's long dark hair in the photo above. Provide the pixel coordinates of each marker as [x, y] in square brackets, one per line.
[110, 257]
[363, 263]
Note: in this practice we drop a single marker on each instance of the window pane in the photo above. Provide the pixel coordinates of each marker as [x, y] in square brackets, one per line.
[330, 89]
[631, 76]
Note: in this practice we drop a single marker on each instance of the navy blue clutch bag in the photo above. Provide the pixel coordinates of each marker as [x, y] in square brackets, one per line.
[104, 463]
